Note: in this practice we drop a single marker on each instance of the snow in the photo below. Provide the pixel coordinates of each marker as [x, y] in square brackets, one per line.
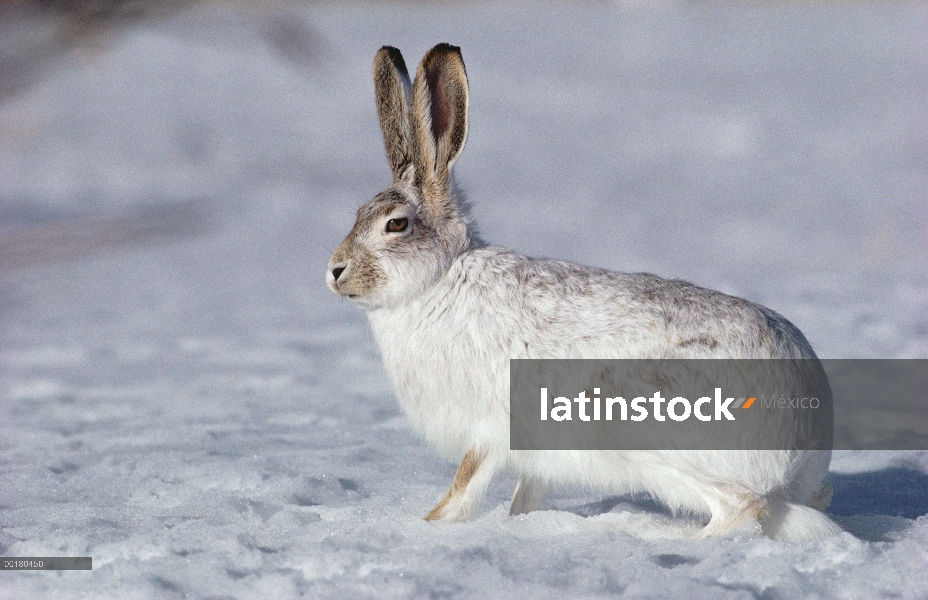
[182, 399]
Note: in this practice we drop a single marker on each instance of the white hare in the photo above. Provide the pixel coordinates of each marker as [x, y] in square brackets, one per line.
[449, 312]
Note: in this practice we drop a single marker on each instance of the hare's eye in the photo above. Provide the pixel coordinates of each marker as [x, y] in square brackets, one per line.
[396, 225]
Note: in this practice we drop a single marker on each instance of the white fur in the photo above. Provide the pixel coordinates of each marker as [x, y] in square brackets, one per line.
[450, 312]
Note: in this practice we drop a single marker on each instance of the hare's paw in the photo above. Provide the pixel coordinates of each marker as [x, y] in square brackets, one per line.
[469, 485]
[822, 498]
[451, 508]
[788, 522]
[528, 496]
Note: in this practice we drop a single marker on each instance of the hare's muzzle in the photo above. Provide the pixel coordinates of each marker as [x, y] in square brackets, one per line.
[333, 275]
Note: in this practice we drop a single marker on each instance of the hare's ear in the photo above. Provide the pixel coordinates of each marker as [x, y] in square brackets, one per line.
[391, 88]
[438, 114]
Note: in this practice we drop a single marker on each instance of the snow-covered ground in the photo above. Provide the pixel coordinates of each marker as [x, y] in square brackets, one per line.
[182, 399]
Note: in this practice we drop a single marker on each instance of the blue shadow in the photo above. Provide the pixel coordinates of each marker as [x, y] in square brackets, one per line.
[894, 492]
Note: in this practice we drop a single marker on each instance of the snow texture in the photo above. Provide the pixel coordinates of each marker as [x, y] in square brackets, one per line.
[182, 399]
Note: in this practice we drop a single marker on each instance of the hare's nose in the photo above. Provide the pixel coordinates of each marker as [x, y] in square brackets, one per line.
[337, 271]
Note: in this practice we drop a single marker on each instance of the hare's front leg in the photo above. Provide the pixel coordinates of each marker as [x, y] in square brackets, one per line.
[468, 487]
[528, 495]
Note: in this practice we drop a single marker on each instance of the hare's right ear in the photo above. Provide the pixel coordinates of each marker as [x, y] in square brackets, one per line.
[391, 88]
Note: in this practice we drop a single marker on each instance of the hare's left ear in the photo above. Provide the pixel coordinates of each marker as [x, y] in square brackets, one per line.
[391, 88]
[438, 115]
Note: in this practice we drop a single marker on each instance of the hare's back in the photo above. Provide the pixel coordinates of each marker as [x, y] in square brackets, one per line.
[554, 309]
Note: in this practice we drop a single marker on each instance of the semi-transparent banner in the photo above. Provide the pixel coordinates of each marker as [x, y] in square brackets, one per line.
[719, 404]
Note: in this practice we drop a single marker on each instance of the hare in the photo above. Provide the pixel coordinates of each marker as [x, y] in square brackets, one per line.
[449, 311]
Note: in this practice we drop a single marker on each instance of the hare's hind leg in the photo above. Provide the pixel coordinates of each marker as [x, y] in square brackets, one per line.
[528, 495]
[731, 510]
[780, 519]
[822, 498]
[788, 522]
[468, 487]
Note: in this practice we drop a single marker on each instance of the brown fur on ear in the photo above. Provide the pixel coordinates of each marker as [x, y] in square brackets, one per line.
[391, 88]
[438, 117]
